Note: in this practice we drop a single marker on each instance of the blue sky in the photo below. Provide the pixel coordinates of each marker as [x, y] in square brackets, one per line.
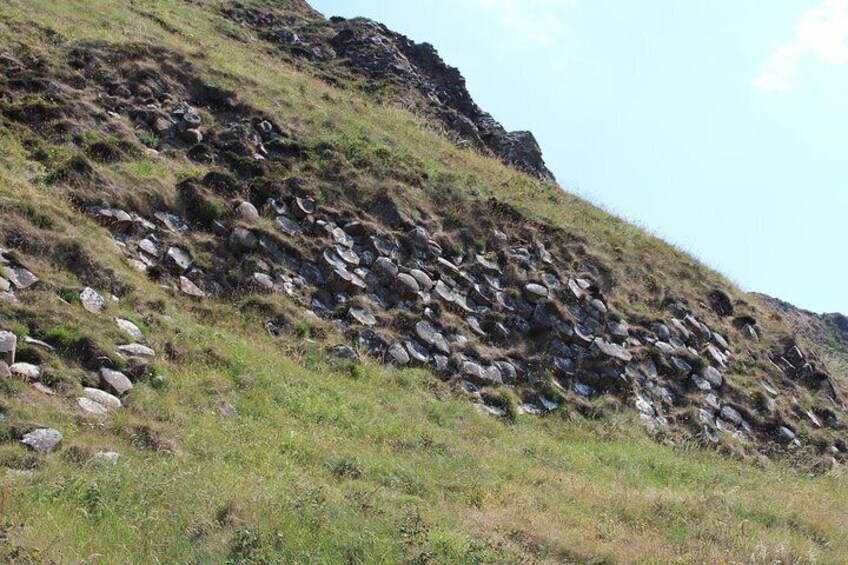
[721, 126]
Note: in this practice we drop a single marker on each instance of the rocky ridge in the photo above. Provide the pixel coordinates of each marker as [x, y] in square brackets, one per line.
[383, 57]
[828, 332]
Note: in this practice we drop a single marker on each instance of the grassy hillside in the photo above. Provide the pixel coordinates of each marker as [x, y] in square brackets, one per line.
[324, 460]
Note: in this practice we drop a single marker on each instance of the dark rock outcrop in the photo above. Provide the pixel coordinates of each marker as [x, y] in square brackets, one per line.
[381, 56]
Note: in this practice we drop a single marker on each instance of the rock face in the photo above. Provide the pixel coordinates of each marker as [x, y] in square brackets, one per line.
[380, 55]
[827, 332]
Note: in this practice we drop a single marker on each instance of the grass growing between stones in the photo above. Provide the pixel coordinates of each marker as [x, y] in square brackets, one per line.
[390, 467]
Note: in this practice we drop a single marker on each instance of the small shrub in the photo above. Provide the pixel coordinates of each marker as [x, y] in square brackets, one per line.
[77, 455]
[105, 152]
[347, 468]
[357, 371]
[52, 378]
[118, 362]
[149, 140]
[248, 548]
[142, 327]
[302, 330]
[159, 382]
[92, 501]
[502, 399]
[69, 295]
[19, 330]
[209, 211]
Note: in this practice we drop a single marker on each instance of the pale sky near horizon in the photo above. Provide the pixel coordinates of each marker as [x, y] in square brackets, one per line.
[720, 126]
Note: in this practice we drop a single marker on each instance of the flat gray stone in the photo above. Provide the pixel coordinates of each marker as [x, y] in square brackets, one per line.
[177, 259]
[263, 280]
[130, 329]
[543, 253]
[444, 292]
[189, 288]
[474, 323]
[680, 329]
[137, 349]
[564, 366]
[341, 237]
[713, 401]
[243, 240]
[385, 269]
[8, 346]
[91, 407]
[330, 260]
[312, 274]
[20, 277]
[731, 415]
[417, 352]
[423, 279]
[303, 206]
[644, 406]
[665, 348]
[700, 383]
[509, 373]
[343, 352]
[613, 350]
[42, 439]
[535, 293]
[115, 381]
[91, 300]
[247, 213]
[288, 226]
[361, 316]
[149, 247]
[681, 366]
[487, 264]
[106, 458]
[382, 246]
[618, 329]
[397, 354]
[432, 337]
[474, 372]
[785, 434]
[347, 255]
[25, 370]
[750, 332]
[406, 286]
[582, 335]
[419, 237]
[598, 305]
[582, 389]
[713, 377]
[102, 397]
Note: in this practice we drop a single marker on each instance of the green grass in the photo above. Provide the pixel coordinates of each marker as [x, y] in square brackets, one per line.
[345, 463]
[388, 467]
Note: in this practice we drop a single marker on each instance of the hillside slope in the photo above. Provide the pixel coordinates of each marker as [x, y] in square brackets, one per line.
[276, 290]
